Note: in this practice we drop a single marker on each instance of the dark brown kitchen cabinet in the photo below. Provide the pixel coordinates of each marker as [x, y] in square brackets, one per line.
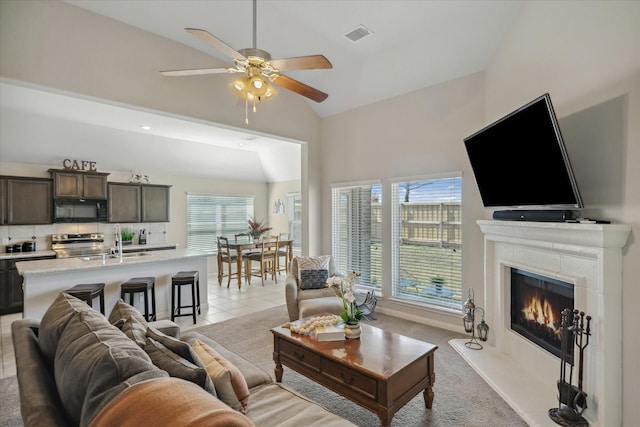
[82, 185]
[11, 295]
[139, 202]
[155, 203]
[124, 202]
[25, 201]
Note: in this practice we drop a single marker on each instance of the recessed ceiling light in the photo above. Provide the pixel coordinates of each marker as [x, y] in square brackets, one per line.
[146, 127]
[241, 144]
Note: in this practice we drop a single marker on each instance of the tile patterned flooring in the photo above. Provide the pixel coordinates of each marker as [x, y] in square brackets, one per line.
[224, 303]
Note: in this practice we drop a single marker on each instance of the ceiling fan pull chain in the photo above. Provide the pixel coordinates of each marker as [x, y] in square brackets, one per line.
[254, 105]
[246, 112]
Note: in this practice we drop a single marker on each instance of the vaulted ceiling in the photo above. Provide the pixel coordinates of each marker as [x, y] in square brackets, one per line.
[411, 45]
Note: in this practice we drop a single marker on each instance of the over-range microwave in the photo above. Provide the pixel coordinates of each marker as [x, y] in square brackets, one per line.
[80, 210]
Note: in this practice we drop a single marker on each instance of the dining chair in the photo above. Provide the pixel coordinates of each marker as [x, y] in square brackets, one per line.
[283, 251]
[267, 259]
[245, 238]
[226, 257]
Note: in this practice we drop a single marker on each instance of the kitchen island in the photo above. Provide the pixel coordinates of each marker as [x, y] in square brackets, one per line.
[45, 279]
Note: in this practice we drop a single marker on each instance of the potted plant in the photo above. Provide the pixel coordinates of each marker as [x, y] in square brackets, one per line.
[257, 228]
[127, 237]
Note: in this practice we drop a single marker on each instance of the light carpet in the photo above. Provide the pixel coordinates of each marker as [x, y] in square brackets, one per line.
[462, 397]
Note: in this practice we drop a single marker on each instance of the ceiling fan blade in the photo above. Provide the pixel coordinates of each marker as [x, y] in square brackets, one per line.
[312, 62]
[212, 40]
[199, 71]
[299, 87]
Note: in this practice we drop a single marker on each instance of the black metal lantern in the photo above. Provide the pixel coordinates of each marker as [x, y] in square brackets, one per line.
[468, 320]
[469, 307]
[483, 330]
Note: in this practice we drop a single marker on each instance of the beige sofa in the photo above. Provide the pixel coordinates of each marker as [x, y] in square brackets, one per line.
[76, 368]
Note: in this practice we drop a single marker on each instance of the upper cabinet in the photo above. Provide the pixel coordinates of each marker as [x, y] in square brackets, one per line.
[138, 202]
[25, 201]
[82, 185]
[155, 203]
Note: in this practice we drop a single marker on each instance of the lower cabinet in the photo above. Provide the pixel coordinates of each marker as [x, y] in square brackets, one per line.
[11, 284]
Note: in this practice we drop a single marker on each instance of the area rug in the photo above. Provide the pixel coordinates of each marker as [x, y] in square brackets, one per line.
[462, 398]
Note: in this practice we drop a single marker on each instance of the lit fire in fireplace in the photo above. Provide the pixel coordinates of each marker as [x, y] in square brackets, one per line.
[539, 310]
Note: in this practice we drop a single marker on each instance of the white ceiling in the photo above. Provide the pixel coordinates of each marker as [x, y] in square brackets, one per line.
[415, 44]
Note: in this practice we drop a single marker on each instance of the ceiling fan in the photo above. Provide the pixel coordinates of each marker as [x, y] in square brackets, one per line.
[258, 68]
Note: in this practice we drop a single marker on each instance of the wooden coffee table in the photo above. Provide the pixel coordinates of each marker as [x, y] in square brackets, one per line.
[381, 371]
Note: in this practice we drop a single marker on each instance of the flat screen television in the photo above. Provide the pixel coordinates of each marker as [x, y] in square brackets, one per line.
[520, 161]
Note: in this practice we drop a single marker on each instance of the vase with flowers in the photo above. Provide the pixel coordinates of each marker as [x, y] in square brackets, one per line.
[257, 228]
[344, 288]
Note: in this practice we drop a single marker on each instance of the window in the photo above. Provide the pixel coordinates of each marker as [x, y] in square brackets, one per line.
[295, 221]
[211, 216]
[427, 241]
[357, 231]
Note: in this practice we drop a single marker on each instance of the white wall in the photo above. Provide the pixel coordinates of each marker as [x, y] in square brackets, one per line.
[280, 191]
[417, 134]
[587, 54]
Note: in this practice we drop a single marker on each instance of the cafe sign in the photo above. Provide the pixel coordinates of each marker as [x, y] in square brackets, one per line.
[79, 165]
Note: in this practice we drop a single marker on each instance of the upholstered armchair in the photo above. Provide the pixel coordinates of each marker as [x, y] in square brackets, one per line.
[308, 302]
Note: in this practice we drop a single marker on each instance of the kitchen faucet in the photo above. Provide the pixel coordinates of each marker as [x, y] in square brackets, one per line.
[118, 241]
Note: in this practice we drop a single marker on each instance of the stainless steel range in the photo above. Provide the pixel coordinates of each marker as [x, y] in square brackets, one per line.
[78, 245]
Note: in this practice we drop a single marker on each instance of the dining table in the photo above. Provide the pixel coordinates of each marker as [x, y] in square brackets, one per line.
[240, 247]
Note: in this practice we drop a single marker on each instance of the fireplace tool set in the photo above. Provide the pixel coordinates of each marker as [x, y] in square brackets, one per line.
[469, 319]
[572, 400]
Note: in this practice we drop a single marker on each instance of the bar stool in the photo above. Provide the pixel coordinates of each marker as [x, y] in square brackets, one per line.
[88, 292]
[180, 279]
[144, 285]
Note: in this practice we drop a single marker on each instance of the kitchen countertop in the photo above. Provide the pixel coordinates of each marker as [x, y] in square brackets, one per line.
[129, 248]
[35, 254]
[57, 265]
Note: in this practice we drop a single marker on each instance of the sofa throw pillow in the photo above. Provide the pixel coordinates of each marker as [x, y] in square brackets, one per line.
[94, 362]
[177, 366]
[130, 321]
[55, 321]
[313, 272]
[229, 382]
[181, 348]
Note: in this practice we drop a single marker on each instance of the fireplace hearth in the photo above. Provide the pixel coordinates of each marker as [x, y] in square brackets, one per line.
[536, 306]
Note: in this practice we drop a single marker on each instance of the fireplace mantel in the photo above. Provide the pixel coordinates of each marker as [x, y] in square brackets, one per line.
[590, 257]
[540, 233]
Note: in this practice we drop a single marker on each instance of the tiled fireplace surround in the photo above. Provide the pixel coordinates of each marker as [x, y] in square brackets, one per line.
[590, 257]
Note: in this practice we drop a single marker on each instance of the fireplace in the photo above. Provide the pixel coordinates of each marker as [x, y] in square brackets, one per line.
[536, 304]
[589, 258]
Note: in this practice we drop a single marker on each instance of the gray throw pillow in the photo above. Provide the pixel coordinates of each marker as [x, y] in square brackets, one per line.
[54, 322]
[130, 321]
[177, 366]
[313, 279]
[181, 348]
[94, 363]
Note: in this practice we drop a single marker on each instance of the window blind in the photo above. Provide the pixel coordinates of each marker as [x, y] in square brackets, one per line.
[357, 231]
[210, 216]
[427, 240]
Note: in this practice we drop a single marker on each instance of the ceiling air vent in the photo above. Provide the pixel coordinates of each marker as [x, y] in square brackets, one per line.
[358, 33]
